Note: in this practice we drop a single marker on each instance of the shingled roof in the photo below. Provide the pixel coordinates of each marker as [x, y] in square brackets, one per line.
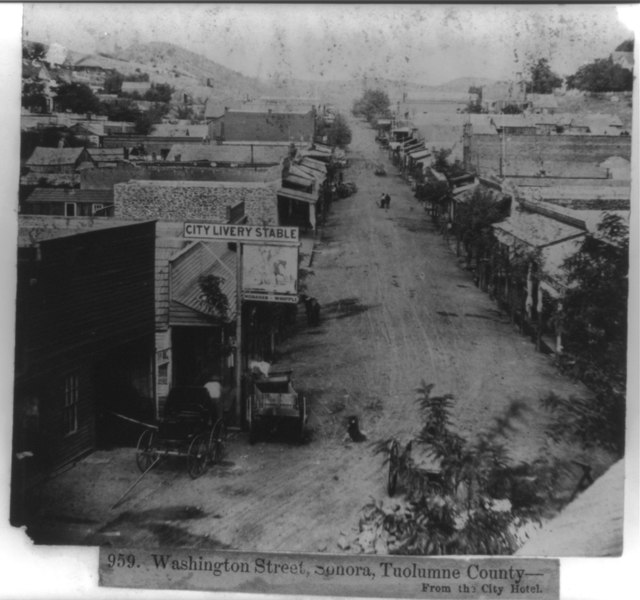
[54, 156]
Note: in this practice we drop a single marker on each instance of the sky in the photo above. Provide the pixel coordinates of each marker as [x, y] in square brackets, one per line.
[428, 44]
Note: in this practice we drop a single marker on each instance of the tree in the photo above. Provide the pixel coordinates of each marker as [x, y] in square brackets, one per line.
[595, 305]
[593, 320]
[475, 106]
[441, 163]
[33, 97]
[159, 92]
[372, 104]
[77, 98]
[543, 79]
[113, 82]
[602, 75]
[474, 219]
[122, 109]
[214, 297]
[479, 497]
[34, 51]
[511, 109]
[338, 132]
[145, 120]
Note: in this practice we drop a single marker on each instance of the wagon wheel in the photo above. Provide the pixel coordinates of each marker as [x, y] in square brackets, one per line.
[394, 459]
[217, 442]
[302, 418]
[146, 453]
[197, 456]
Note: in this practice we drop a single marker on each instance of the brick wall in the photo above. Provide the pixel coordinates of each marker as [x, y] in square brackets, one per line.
[194, 200]
[558, 155]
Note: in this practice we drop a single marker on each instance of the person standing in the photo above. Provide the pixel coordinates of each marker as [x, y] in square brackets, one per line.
[387, 201]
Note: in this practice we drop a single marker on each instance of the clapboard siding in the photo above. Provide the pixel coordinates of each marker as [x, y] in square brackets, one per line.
[92, 288]
[80, 298]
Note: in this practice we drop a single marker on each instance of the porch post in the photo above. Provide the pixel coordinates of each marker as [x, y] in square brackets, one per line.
[239, 334]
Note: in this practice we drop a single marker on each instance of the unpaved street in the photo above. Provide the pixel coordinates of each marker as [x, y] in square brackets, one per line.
[396, 309]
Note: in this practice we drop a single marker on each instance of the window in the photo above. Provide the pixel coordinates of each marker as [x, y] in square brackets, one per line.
[71, 396]
[69, 209]
[96, 208]
[163, 374]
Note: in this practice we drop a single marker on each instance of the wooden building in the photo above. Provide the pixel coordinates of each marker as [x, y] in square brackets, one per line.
[84, 334]
[68, 202]
[57, 160]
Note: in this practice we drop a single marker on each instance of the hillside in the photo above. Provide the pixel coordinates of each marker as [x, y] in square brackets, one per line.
[174, 62]
[188, 72]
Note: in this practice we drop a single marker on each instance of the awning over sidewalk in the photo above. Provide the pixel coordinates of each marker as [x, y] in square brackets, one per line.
[421, 153]
[299, 180]
[297, 195]
[312, 163]
[303, 171]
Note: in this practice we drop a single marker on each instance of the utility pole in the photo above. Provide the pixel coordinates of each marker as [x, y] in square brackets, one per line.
[239, 333]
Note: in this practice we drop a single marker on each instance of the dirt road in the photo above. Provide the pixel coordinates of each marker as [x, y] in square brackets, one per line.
[396, 309]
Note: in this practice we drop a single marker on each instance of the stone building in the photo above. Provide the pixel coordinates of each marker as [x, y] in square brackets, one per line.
[195, 200]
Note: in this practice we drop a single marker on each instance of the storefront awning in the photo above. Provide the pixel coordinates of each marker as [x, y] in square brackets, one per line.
[299, 180]
[419, 154]
[306, 172]
[297, 195]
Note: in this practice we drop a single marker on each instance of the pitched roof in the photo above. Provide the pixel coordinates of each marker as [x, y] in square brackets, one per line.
[54, 156]
[202, 258]
[70, 195]
[88, 127]
[534, 229]
[214, 108]
[513, 121]
[102, 154]
[33, 229]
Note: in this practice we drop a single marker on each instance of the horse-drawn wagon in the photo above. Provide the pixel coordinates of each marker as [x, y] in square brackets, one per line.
[191, 429]
[274, 404]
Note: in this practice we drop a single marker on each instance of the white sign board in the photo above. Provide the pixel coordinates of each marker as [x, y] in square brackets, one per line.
[262, 297]
[241, 233]
[270, 269]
